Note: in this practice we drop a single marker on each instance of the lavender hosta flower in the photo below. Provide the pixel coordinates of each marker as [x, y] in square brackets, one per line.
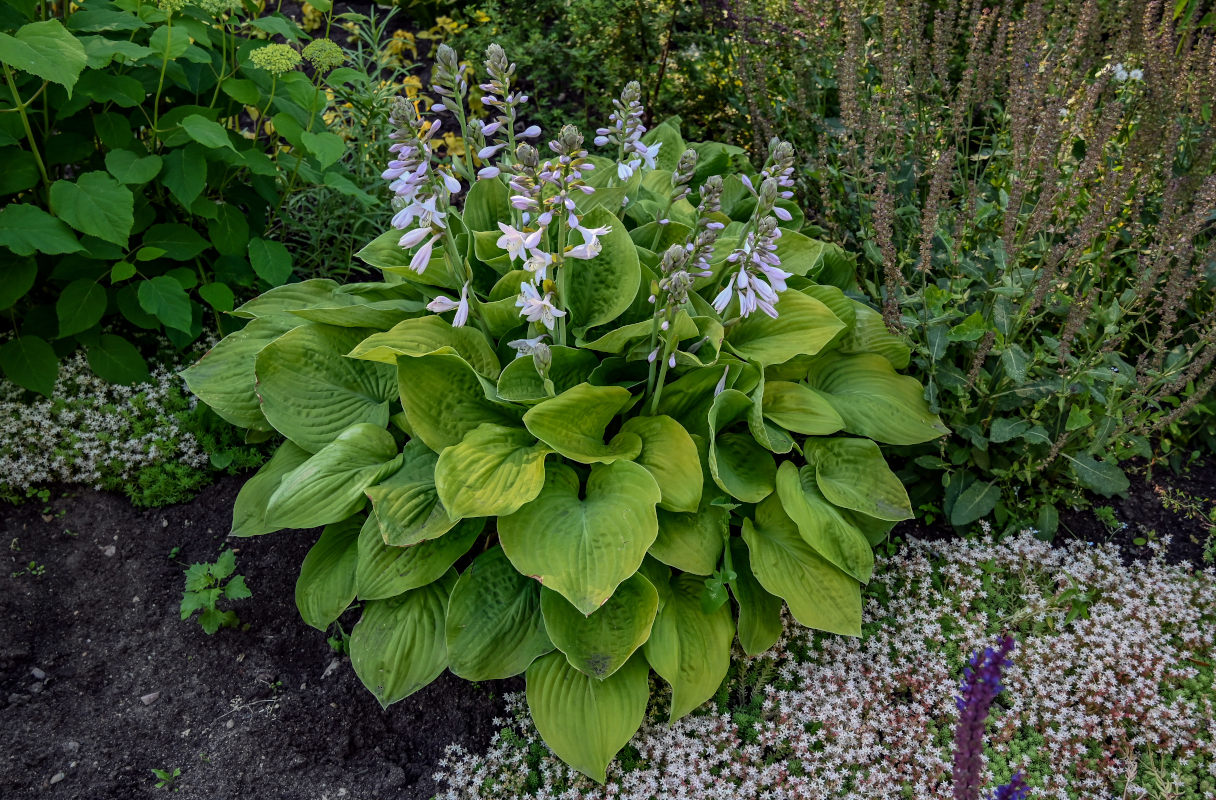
[535, 308]
[760, 279]
[518, 243]
[527, 347]
[538, 263]
[625, 131]
[423, 255]
[442, 304]
[980, 686]
[591, 247]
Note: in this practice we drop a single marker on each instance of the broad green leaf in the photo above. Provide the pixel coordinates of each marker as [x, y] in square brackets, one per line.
[822, 526]
[224, 377]
[800, 409]
[869, 334]
[131, 168]
[270, 260]
[385, 254]
[692, 542]
[803, 327]
[397, 647]
[328, 487]
[47, 50]
[600, 289]
[386, 571]
[80, 306]
[586, 721]
[492, 472]
[875, 401]
[177, 241]
[164, 298]
[95, 204]
[289, 298]
[112, 358]
[406, 505]
[444, 398]
[600, 643]
[670, 455]
[326, 147]
[185, 173]
[206, 132]
[975, 502]
[426, 335]
[574, 422]
[31, 363]
[485, 205]
[19, 277]
[326, 585]
[218, 296]
[494, 624]
[687, 647]
[741, 467]
[584, 544]
[818, 594]
[311, 392]
[1014, 360]
[249, 511]
[853, 474]
[624, 337]
[27, 229]
[1103, 477]
[521, 383]
[759, 611]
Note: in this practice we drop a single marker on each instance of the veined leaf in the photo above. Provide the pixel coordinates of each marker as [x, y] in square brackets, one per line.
[385, 571]
[326, 585]
[821, 524]
[406, 505]
[444, 399]
[670, 455]
[573, 424]
[425, 335]
[853, 474]
[803, 327]
[759, 611]
[249, 512]
[598, 644]
[692, 542]
[492, 472]
[875, 401]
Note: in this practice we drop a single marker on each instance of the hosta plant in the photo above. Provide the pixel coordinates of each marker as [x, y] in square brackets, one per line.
[601, 416]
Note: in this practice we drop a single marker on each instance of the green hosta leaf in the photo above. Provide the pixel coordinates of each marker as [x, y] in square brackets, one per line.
[687, 647]
[249, 511]
[637, 334]
[1103, 477]
[874, 400]
[768, 435]
[289, 297]
[486, 203]
[426, 335]
[869, 334]
[573, 424]
[406, 505]
[114, 359]
[975, 502]
[492, 472]
[800, 409]
[821, 524]
[326, 585]
[818, 594]
[692, 542]
[853, 474]
[494, 624]
[224, 378]
[80, 306]
[311, 392]
[27, 229]
[397, 647]
[95, 204]
[741, 467]
[584, 720]
[328, 487]
[164, 298]
[384, 253]
[584, 546]
[30, 362]
[759, 611]
[444, 399]
[804, 326]
[521, 383]
[600, 289]
[47, 50]
[386, 571]
[600, 643]
[670, 455]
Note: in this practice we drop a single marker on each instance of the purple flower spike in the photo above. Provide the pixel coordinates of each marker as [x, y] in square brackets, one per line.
[1016, 789]
[981, 684]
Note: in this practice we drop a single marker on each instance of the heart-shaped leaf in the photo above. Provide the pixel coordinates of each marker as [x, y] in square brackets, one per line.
[874, 400]
[573, 424]
[821, 524]
[491, 473]
[818, 594]
[444, 399]
[803, 327]
[494, 624]
[689, 648]
[311, 392]
[600, 643]
[385, 571]
[692, 542]
[521, 383]
[853, 474]
[326, 585]
[406, 505]
[397, 647]
[583, 547]
[584, 720]
[600, 289]
[670, 455]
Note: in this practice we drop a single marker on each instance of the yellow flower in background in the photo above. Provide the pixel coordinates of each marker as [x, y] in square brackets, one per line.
[480, 17]
[311, 18]
[412, 86]
[453, 144]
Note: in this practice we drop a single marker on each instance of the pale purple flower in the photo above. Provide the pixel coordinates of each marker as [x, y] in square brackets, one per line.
[535, 308]
[526, 347]
[591, 247]
[423, 256]
[515, 242]
[442, 304]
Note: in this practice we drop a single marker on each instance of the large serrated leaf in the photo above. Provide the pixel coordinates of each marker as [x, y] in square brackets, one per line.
[584, 546]
[584, 720]
[494, 623]
[598, 644]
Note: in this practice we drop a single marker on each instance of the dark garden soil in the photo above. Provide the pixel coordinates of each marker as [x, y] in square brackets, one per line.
[100, 682]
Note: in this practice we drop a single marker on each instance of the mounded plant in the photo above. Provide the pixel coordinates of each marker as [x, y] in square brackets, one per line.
[583, 410]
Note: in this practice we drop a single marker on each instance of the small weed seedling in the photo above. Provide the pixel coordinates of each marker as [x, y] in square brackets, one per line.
[1106, 515]
[206, 585]
[339, 642]
[1193, 508]
[166, 779]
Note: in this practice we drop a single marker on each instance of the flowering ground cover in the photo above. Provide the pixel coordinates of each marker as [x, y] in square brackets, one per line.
[1110, 694]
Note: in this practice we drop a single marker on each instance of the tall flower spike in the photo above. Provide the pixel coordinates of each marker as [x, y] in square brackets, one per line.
[625, 131]
[498, 95]
[980, 686]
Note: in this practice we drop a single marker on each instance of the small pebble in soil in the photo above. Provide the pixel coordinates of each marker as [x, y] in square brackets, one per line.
[149, 698]
[71, 746]
[109, 550]
[38, 674]
[57, 777]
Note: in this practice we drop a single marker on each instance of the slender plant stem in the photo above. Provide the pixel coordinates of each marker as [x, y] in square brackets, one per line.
[160, 83]
[25, 120]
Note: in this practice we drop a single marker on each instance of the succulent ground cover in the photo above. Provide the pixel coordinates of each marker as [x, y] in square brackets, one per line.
[1110, 694]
